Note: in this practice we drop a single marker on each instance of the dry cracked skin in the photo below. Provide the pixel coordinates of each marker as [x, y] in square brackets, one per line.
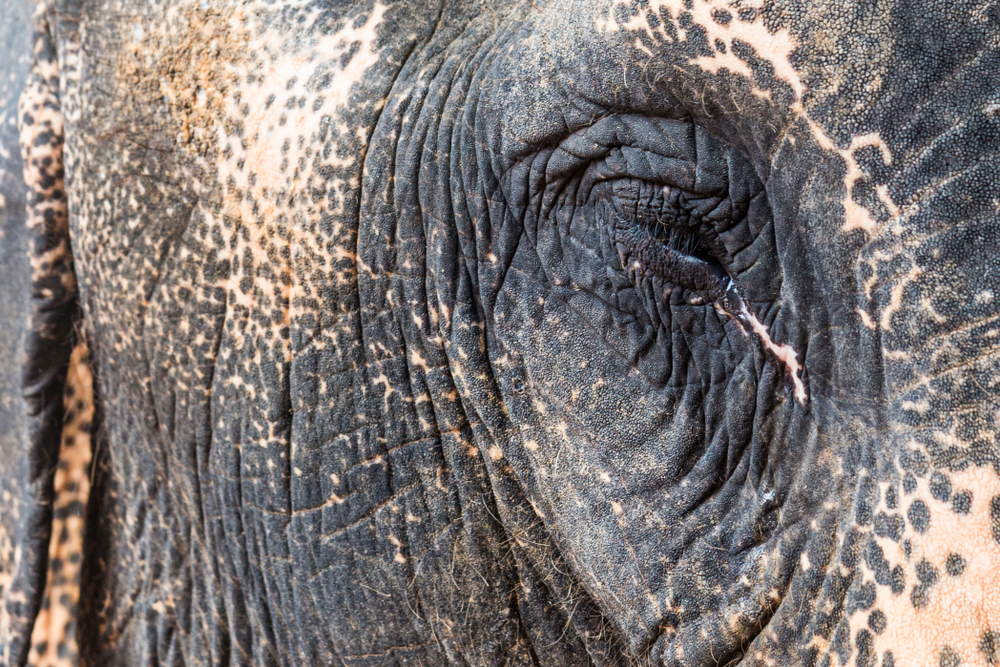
[467, 332]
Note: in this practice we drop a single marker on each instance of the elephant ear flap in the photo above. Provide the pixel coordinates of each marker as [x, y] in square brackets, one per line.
[51, 475]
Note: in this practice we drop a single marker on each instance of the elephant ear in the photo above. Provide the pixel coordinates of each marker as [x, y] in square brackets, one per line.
[45, 446]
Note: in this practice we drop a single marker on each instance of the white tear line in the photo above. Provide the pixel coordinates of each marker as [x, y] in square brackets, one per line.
[784, 353]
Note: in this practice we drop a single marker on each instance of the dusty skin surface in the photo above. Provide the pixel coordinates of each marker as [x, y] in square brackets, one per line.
[376, 391]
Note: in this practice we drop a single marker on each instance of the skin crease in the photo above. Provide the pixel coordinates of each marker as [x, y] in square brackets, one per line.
[371, 386]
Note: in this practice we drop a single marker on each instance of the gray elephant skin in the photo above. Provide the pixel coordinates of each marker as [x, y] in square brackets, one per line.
[479, 332]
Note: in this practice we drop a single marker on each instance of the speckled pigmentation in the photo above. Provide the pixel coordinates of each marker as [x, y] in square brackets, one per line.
[52, 309]
[53, 638]
[598, 332]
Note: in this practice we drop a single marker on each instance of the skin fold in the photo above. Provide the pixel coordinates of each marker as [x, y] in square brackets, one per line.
[595, 332]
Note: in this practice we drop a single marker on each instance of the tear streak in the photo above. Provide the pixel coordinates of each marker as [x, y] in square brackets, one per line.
[784, 353]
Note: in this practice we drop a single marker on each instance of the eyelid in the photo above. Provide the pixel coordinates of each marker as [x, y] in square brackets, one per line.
[711, 214]
[709, 280]
[632, 164]
[669, 138]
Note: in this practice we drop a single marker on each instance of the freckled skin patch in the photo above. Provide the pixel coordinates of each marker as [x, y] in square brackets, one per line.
[53, 639]
[40, 603]
[723, 24]
[950, 599]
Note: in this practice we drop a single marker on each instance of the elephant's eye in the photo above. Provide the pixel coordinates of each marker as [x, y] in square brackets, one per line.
[659, 230]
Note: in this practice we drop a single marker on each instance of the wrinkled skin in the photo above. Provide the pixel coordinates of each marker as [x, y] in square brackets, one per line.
[424, 334]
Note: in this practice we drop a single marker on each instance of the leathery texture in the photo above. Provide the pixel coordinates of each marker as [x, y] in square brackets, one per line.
[399, 362]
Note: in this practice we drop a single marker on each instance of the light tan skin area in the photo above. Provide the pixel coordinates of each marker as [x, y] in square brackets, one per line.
[53, 640]
[180, 56]
[961, 607]
[195, 58]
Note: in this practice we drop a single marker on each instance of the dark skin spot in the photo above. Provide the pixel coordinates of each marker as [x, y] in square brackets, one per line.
[889, 526]
[898, 580]
[877, 621]
[920, 516]
[919, 597]
[927, 573]
[989, 644]
[940, 487]
[961, 502]
[891, 501]
[949, 657]
[721, 16]
[866, 652]
[654, 20]
[955, 565]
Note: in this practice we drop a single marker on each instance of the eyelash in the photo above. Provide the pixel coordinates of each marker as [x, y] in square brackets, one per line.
[670, 247]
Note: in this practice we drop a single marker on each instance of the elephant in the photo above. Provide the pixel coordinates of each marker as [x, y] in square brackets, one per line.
[482, 332]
